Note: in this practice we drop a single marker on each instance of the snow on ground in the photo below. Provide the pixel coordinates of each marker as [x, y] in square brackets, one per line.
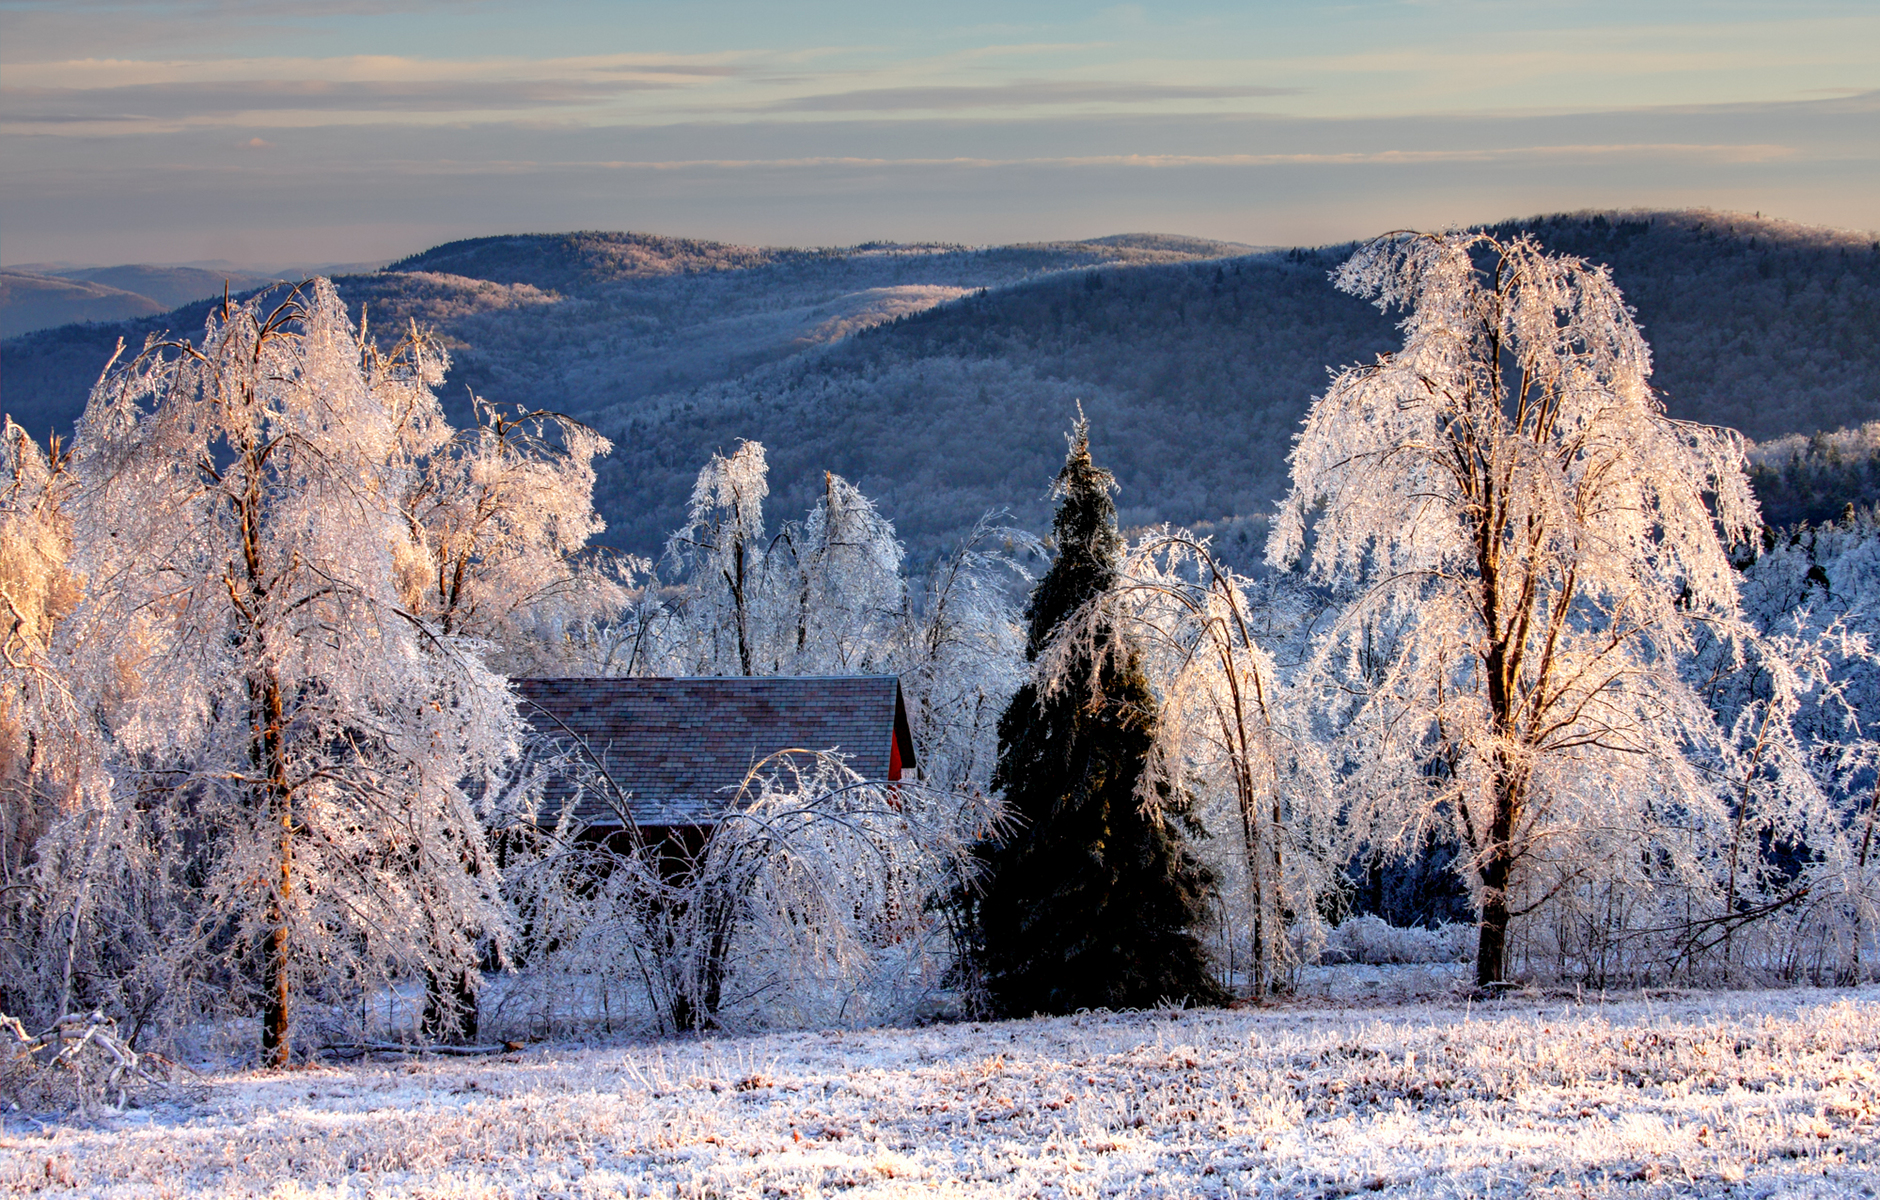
[1731, 1094]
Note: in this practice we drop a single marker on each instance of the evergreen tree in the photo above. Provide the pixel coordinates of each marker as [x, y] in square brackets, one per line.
[1087, 901]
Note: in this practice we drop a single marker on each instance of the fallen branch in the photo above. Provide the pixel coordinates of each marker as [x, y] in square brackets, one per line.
[82, 1049]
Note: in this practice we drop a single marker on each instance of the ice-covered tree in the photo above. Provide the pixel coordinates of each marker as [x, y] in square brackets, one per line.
[59, 818]
[302, 739]
[720, 552]
[1091, 898]
[499, 517]
[961, 652]
[824, 596]
[39, 722]
[1507, 488]
[1805, 695]
[829, 595]
[813, 901]
[1194, 628]
[844, 565]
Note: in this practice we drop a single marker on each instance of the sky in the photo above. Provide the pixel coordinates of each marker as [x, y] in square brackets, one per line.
[269, 132]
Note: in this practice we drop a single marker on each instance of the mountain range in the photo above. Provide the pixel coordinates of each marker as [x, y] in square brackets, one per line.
[940, 378]
[46, 295]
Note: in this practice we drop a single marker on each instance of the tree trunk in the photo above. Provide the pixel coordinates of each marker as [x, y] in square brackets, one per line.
[741, 609]
[276, 977]
[275, 1047]
[1491, 948]
[701, 990]
[450, 1007]
[1497, 865]
[1250, 833]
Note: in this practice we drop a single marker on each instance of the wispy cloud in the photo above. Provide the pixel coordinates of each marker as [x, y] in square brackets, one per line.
[175, 101]
[1689, 152]
[121, 72]
[975, 121]
[697, 70]
[1025, 94]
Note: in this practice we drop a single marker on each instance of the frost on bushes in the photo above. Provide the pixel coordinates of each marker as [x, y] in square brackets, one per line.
[1372, 940]
[80, 1064]
[812, 902]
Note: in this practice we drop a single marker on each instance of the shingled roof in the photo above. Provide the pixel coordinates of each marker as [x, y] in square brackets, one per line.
[679, 748]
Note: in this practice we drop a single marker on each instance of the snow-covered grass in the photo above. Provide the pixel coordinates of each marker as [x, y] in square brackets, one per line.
[1725, 1094]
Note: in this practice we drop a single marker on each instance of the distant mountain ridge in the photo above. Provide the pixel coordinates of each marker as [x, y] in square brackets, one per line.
[584, 321]
[36, 296]
[576, 261]
[940, 378]
[30, 301]
[171, 287]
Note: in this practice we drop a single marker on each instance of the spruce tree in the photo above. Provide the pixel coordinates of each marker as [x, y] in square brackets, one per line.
[1086, 901]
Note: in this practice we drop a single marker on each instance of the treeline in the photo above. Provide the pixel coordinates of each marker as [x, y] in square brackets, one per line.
[1819, 478]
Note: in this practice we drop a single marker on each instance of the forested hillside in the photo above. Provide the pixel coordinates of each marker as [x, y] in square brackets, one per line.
[940, 378]
[578, 322]
[1194, 377]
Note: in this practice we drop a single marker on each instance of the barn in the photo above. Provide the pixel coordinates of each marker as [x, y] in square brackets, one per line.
[675, 750]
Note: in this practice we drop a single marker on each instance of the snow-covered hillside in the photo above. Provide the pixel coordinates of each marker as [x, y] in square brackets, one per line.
[1196, 367]
[1737, 1094]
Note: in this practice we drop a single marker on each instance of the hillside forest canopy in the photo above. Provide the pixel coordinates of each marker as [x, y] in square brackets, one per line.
[1195, 361]
[1523, 656]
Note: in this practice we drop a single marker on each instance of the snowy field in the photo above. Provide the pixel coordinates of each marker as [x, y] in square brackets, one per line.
[1734, 1094]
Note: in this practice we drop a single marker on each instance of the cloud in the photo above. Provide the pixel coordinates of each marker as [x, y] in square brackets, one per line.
[1030, 94]
[172, 101]
[682, 69]
[1654, 151]
[977, 176]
